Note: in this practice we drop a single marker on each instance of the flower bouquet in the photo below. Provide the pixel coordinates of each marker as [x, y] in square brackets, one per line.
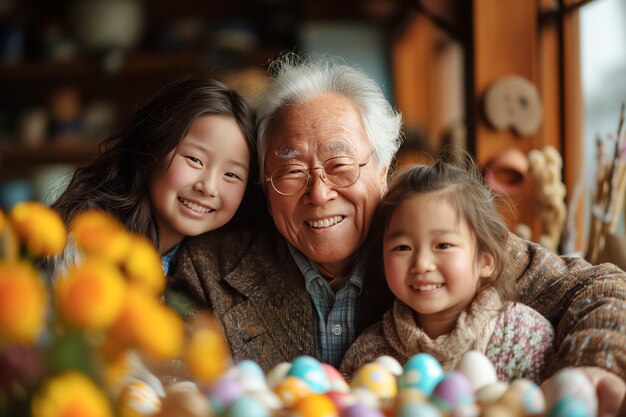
[71, 344]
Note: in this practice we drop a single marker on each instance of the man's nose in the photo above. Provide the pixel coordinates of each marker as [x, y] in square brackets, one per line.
[320, 190]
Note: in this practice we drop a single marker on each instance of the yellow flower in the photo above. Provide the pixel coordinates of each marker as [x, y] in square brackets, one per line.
[70, 394]
[22, 302]
[91, 295]
[39, 227]
[143, 265]
[99, 234]
[206, 354]
[149, 325]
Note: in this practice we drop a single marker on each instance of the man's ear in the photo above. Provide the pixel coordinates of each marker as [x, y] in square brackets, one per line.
[487, 264]
[383, 177]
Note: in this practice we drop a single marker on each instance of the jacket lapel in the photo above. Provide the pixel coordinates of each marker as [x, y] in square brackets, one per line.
[273, 285]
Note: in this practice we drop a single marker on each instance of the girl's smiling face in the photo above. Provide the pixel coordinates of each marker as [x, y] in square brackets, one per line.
[199, 185]
[431, 261]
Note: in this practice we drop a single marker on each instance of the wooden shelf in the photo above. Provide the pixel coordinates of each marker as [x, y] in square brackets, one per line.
[63, 150]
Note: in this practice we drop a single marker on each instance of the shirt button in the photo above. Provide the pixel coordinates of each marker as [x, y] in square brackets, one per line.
[337, 329]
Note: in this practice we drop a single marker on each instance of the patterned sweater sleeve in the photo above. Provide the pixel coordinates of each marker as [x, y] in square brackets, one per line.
[585, 303]
[521, 345]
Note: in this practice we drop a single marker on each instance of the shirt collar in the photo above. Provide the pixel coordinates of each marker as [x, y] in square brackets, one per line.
[310, 272]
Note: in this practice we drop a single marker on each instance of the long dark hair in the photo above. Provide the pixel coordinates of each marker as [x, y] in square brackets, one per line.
[464, 189]
[117, 180]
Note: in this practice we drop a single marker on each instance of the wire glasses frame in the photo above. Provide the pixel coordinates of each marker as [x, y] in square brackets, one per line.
[339, 171]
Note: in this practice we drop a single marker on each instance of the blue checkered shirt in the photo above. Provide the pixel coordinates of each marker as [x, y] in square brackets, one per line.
[335, 326]
[167, 259]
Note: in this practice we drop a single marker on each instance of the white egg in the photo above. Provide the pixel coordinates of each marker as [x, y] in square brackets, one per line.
[478, 369]
[276, 375]
[490, 393]
[391, 364]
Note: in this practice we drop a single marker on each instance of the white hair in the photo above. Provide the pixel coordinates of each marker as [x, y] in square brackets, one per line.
[296, 80]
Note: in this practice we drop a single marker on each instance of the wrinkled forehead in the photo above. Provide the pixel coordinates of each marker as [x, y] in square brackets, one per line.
[328, 125]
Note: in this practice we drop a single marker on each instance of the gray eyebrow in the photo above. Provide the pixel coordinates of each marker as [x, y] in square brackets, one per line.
[286, 153]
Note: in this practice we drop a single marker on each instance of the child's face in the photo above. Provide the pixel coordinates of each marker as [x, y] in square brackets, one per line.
[203, 187]
[430, 258]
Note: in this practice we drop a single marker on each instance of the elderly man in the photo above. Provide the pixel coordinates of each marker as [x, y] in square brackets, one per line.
[292, 287]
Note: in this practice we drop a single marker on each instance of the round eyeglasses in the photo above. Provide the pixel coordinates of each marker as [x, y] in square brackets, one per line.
[340, 171]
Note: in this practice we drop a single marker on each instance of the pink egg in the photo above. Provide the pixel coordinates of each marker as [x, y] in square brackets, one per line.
[336, 380]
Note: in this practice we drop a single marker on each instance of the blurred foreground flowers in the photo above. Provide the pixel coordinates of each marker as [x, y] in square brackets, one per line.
[70, 344]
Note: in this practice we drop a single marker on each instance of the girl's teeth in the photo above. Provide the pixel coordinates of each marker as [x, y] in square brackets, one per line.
[319, 224]
[195, 207]
[428, 287]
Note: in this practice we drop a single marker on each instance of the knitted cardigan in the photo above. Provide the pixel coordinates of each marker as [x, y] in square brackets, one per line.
[517, 340]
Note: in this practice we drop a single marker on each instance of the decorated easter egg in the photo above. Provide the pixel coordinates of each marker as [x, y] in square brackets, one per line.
[224, 391]
[412, 409]
[250, 376]
[310, 370]
[315, 405]
[276, 375]
[181, 401]
[336, 381]
[364, 396]
[268, 399]
[421, 371]
[530, 396]
[478, 369]
[453, 391]
[291, 389]
[391, 364]
[245, 406]
[466, 410]
[361, 410]
[489, 394]
[139, 398]
[570, 407]
[377, 379]
[408, 395]
[571, 384]
[342, 400]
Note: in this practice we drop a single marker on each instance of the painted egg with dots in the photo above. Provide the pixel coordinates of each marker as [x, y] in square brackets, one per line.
[310, 370]
[377, 379]
[421, 371]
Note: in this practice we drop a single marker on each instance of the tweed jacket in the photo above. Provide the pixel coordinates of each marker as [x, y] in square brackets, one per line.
[249, 279]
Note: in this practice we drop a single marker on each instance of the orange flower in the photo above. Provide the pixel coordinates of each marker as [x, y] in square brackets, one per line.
[206, 353]
[22, 302]
[70, 394]
[143, 265]
[39, 227]
[147, 324]
[91, 295]
[99, 234]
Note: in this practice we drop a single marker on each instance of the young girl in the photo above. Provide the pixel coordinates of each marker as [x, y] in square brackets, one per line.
[178, 168]
[443, 243]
